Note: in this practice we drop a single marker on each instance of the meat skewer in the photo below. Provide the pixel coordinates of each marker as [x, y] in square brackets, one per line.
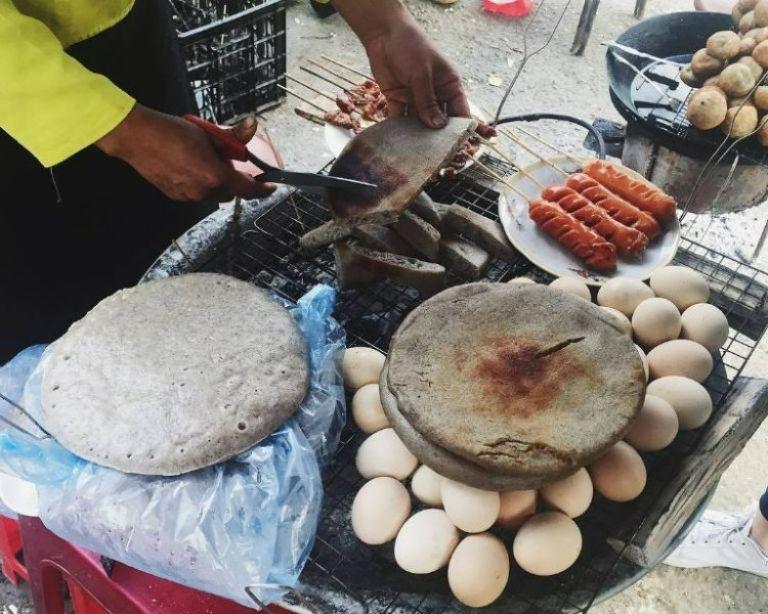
[618, 208]
[596, 252]
[641, 193]
[583, 242]
[311, 88]
[629, 241]
[349, 68]
[300, 97]
[326, 79]
[331, 72]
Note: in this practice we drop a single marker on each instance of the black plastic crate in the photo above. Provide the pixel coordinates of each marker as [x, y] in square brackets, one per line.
[235, 54]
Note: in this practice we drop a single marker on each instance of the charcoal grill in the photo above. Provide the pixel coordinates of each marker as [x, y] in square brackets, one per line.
[661, 143]
[259, 243]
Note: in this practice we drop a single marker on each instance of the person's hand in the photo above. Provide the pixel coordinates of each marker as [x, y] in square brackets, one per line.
[410, 71]
[179, 158]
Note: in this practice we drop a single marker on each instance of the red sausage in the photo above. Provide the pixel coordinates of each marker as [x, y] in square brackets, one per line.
[583, 242]
[630, 242]
[618, 208]
[633, 188]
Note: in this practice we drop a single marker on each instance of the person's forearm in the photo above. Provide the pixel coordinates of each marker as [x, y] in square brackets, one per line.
[370, 19]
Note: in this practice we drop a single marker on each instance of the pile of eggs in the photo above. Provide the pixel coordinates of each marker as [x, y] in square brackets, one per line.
[670, 320]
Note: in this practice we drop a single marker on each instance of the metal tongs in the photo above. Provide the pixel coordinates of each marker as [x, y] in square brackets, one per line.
[313, 182]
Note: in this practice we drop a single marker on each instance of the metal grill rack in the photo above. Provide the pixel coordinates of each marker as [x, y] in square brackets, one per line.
[661, 101]
[346, 576]
[235, 51]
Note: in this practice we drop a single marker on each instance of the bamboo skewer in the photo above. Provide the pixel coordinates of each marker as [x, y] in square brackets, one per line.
[315, 119]
[300, 97]
[349, 68]
[503, 180]
[534, 153]
[331, 72]
[311, 88]
[538, 139]
[523, 172]
[324, 78]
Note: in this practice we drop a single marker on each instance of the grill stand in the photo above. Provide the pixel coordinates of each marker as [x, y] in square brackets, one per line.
[343, 576]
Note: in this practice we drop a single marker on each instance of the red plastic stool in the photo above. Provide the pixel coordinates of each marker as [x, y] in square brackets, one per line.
[50, 559]
[10, 549]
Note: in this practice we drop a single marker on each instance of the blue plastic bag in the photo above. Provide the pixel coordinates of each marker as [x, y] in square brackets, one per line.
[250, 521]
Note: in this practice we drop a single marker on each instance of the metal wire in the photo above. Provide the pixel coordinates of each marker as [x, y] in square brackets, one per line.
[528, 55]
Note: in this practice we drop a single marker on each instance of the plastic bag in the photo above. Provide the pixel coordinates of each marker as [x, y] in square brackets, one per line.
[38, 461]
[250, 521]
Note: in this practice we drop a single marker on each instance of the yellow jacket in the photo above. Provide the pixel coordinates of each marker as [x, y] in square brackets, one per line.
[49, 102]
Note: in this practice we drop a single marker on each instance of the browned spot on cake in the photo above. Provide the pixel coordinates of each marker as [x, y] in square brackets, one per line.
[519, 378]
[362, 164]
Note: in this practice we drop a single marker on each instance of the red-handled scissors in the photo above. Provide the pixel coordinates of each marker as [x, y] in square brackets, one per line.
[235, 150]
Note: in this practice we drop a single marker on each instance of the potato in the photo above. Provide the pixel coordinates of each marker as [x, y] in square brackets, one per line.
[754, 67]
[687, 77]
[712, 82]
[739, 121]
[762, 132]
[747, 22]
[760, 98]
[747, 45]
[724, 45]
[760, 54]
[704, 65]
[737, 14]
[761, 13]
[759, 34]
[707, 108]
[737, 102]
[736, 80]
[746, 5]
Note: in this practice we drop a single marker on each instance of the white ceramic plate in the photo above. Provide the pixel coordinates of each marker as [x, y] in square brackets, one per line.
[548, 254]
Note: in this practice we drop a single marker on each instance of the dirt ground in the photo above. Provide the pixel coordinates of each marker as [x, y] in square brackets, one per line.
[486, 50]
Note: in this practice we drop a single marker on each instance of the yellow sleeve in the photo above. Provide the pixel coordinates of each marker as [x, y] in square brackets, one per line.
[49, 102]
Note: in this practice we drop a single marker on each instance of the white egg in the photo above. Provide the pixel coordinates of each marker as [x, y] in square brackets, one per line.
[521, 280]
[705, 324]
[621, 320]
[516, 507]
[547, 544]
[361, 366]
[479, 570]
[425, 542]
[681, 285]
[680, 357]
[655, 427]
[573, 286]
[425, 485]
[623, 294]
[367, 410]
[384, 454]
[471, 509]
[571, 496]
[688, 398]
[655, 321]
[619, 475]
[380, 508]
[644, 358]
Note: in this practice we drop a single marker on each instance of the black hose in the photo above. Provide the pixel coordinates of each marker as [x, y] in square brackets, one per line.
[534, 117]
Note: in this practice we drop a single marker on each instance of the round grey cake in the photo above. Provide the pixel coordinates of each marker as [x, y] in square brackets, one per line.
[519, 380]
[174, 375]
